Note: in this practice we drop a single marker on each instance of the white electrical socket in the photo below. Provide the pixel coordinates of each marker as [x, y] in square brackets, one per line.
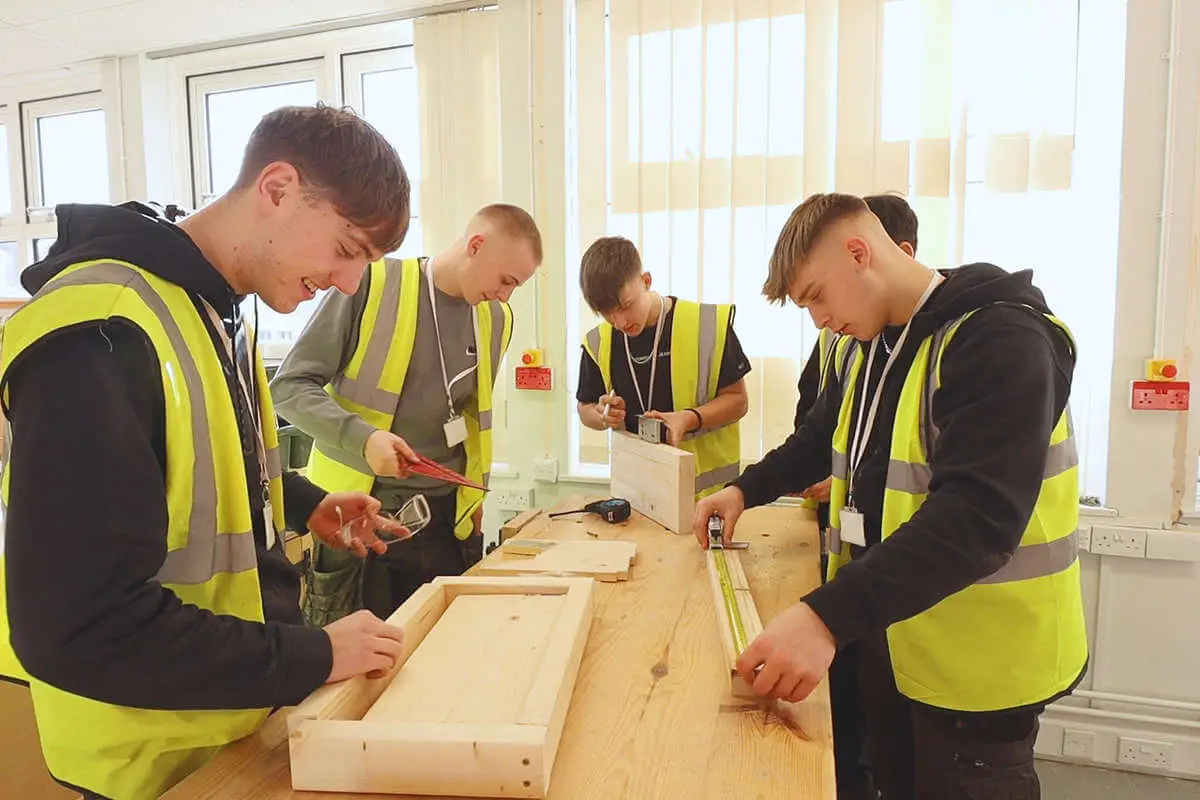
[545, 469]
[1144, 752]
[1078, 744]
[513, 499]
[1113, 541]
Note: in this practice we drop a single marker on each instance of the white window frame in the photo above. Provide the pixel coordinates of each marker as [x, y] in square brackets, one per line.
[200, 86]
[11, 120]
[31, 111]
[354, 65]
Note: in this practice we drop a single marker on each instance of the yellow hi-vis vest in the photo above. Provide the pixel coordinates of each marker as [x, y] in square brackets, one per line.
[374, 378]
[130, 753]
[832, 356]
[698, 336]
[1014, 638]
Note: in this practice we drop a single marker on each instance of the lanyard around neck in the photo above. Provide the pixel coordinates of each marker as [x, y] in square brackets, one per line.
[646, 404]
[446, 381]
[859, 444]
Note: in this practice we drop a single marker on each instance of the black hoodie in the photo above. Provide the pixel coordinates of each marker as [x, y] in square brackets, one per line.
[87, 518]
[1006, 376]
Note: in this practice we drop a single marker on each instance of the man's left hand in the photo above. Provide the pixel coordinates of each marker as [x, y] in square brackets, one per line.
[359, 514]
[794, 650]
[678, 423]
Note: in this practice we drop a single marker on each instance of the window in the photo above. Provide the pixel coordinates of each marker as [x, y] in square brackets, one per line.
[695, 132]
[700, 121]
[66, 153]
[41, 248]
[226, 107]
[382, 87]
[1039, 143]
[6, 186]
[10, 270]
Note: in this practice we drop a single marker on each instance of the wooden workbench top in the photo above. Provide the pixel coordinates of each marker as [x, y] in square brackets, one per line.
[650, 716]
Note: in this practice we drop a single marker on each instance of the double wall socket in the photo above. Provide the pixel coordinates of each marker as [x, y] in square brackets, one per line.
[1144, 752]
[513, 499]
[1113, 541]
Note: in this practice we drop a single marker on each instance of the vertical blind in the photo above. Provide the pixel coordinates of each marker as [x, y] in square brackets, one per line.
[700, 124]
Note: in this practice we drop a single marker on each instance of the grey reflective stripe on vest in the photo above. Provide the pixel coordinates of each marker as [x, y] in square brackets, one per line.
[497, 336]
[593, 341]
[364, 389]
[839, 465]
[716, 476]
[707, 345]
[207, 553]
[1038, 560]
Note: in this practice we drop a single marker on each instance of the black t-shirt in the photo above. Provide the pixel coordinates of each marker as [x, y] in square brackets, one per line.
[734, 365]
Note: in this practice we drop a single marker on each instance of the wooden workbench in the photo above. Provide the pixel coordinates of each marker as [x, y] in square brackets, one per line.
[650, 717]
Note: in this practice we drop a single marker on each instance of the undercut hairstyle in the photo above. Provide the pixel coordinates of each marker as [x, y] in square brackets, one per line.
[800, 234]
[341, 158]
[607, 265]
[514, 222]
[897, 216]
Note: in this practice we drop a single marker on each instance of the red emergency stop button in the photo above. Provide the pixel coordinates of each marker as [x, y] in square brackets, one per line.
[1169, 371]
[526, 358]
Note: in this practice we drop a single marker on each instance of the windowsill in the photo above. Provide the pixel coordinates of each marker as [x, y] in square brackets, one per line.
[593, 479]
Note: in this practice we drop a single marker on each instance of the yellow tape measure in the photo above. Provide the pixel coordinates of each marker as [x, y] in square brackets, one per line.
[731, 606]
[716, 534]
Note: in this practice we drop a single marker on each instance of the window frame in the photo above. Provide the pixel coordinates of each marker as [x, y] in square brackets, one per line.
[200, 86]
[36, 209]
[353, 66]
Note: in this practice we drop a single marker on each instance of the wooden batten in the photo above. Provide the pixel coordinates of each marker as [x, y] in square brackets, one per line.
[658, 480]
[751, 622]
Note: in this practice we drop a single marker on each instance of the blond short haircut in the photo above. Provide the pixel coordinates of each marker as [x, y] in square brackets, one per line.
[514, 222]
[800, 235]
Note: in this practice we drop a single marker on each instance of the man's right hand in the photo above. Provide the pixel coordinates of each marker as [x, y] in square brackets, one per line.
[388, 455]
[363, 645]
[615, 417]
[728, 504]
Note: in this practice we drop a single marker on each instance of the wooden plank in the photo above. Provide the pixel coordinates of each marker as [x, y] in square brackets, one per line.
[751, 624]
[607, 560]
[658, 480]
[350, 699]
[464, 760]
[650, 717]
[480, 660]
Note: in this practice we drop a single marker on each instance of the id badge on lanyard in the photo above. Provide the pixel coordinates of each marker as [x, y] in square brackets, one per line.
[852, 526]
[249, 395]
[456, 426]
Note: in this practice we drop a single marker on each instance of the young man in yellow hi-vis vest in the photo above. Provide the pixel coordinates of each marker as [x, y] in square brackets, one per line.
[828, 362]
[149, 604]
[408, 364]
[664, 358]
[953, 509]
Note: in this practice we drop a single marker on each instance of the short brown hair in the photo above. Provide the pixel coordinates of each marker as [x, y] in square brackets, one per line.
[609, 264]
[341, 158]
[800, 235]
[897, 216]
[516, 222]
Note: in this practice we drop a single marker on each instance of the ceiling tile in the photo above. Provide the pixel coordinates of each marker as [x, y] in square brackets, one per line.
[24, 51]
[23, 12]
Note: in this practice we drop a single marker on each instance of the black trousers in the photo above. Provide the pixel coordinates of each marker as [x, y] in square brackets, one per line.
[922, 753]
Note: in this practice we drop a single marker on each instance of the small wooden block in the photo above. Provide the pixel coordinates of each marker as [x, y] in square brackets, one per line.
[751, 623]
[514, 525]
[605, 560]
[658, 480]
[446, 721]
[526, 547]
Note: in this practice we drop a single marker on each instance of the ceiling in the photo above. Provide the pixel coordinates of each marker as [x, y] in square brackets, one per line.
[43, 34]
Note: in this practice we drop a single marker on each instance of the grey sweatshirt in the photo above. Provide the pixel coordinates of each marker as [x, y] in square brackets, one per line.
[324, 350]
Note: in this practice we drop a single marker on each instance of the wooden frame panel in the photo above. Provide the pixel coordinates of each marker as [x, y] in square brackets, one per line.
[658, 480]
[751, 623]
[332, 748]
